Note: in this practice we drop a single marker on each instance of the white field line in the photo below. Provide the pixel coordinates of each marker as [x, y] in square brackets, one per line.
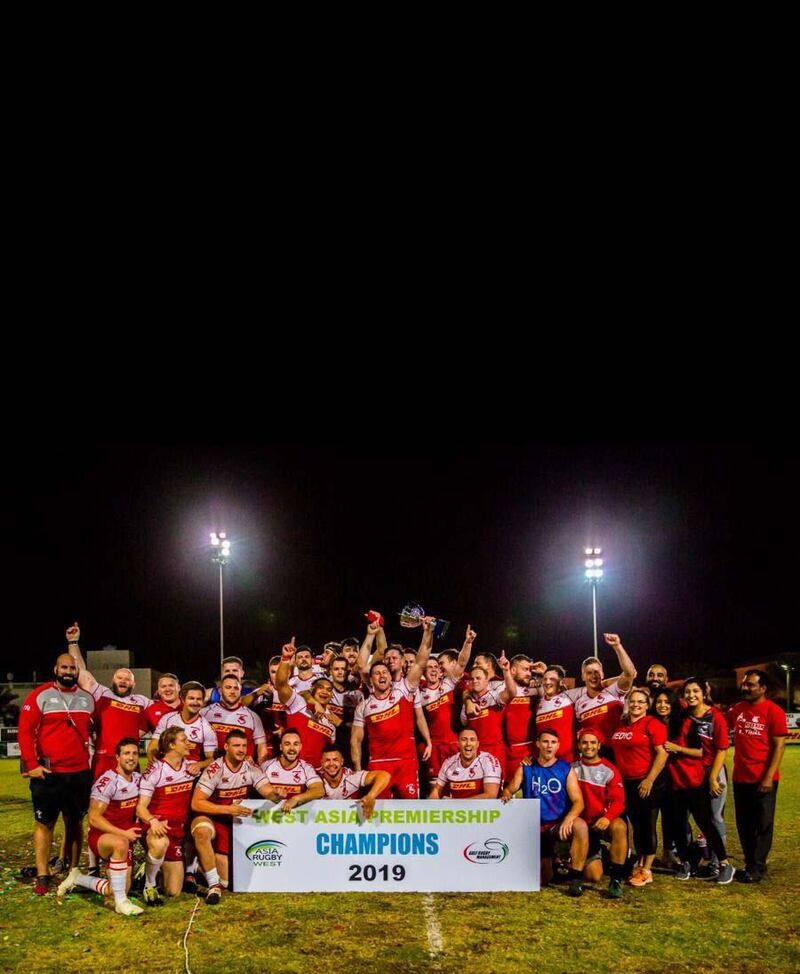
[434, 931]
[186, 936]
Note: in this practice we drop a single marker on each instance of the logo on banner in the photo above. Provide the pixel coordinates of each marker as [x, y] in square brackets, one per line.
[267, 852]
[492, 851]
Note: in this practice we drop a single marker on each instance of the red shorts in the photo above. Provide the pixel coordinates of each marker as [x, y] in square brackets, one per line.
[101, 763]
[94, 837]
[514, 755]
[223, 835]
[405, 777]
[176, 838]
[439, 754]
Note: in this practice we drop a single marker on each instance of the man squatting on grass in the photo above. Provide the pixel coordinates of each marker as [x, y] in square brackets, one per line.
[414, 712]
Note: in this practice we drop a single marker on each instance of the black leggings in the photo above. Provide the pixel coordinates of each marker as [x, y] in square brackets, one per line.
[642, 813]
[698, 802]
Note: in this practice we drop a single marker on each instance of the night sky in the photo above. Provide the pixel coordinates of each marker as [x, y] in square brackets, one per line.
[698, 540]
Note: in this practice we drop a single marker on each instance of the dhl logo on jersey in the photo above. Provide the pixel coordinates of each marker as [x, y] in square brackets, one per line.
[233, 792]
[464, 785]
[285, 790]
[526, 701]
[221, 728]
[128, 803]
[336, 709]
[553, 715]
[130, 708]
[177, 789]
[481, 714]
[594, 712]
[320, 729]
[386, 715]
[439, 703]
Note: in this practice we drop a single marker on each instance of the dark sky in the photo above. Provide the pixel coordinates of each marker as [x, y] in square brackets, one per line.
[699, 541]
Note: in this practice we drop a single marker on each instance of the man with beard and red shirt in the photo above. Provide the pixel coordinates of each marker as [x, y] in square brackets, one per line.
[483, 709]
[471, 773]
[597, 705]
[113, 829]
[229, 714]
[388, 716]
[295, 781]
[54, 726]
[119, 711]
[759, 732]
[343, 784]
[519, 724]
[199, 733]
[166, 700]
[216, 801]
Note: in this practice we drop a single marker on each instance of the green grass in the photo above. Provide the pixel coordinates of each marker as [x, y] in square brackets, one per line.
[669, 928]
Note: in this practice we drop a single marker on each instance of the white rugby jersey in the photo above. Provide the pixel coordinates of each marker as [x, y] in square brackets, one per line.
[289, 781]
[352, 782]
[224, 787]
[199, 733]
[464, 782]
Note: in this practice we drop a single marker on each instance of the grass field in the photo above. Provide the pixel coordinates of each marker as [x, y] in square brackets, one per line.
[671, 927]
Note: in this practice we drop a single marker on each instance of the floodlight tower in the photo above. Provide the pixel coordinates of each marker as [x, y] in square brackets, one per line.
[220, 554]
[593, 573]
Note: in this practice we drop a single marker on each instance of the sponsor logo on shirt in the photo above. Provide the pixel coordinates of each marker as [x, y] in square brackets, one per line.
[464, 785]
[128, 803]
[386, 715]
[439, 703]
[177, 789]
[552, 715]
[594, 712]
[131, 708]
[232, 792]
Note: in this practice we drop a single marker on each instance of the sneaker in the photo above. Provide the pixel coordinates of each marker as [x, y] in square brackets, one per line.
[214, 895]
[726, 874]
[710, 871]
[28, 872]
[575, 888]
[69, 882]
[684, 871]
[615, 889]
[42, 887]
[190, 883]
[152, 897]
[634, 873]
[128, 909]
[642, 878]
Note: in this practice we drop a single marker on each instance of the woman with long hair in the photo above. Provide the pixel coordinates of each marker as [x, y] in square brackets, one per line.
[697, 755]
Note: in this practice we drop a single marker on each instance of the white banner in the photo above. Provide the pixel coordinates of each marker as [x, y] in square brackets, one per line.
[407, 846]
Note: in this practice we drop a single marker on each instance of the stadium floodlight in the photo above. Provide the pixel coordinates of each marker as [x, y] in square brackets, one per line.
[220, 555]
[788, 670]
[593, 574]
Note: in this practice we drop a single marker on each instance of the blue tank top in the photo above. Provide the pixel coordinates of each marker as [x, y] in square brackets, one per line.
[549, 785]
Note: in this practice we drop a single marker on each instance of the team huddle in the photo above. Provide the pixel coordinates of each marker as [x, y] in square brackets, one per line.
[372, 720]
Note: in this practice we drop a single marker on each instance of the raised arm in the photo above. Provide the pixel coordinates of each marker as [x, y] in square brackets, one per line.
[285, 671]
[510, 688]
[464, 655]
[628, 675]
[85, 679]
[417, 668]
[366, 648]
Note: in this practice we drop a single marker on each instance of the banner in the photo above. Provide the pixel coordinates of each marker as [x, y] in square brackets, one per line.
[407, 846]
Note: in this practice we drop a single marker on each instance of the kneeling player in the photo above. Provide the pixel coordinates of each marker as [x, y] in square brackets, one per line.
[112, 829]
[223, 785]
[342, 783]
[604, 803]
[165, 792]
[471, 773]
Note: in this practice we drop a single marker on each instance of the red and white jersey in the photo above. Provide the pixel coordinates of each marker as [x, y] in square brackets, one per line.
[120, 795]
[224, 787]
[344, 703]
[118, 717]
[518, 716]
[461, 782]
[54, 723]
[202, 739]
[156, 711]
[300, 684]
[170, 791]
[289, 781]
[438, 705]
[602, 712]
[602, 789]
[315, 732]
[558, 715]
[225, 719]
[488, 722]
[389, 723]
[349, 786]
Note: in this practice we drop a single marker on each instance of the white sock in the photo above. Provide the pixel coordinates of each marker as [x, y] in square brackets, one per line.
[118, 875]
[95, 883]
[223, 883]
[193, 866]
[151, 870]
[212, 878]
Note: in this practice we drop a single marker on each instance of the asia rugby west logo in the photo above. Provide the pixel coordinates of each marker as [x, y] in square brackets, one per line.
[492, 851]
[266, 852]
